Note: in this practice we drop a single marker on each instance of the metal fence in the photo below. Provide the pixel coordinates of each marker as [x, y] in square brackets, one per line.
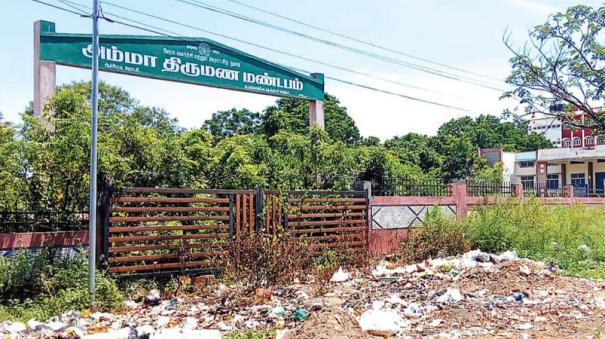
[543, 190]
[404, 186]
[42, 221]
[480, 188]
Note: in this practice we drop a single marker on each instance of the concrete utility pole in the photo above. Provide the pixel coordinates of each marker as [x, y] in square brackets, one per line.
[92, 206]
[44, 76]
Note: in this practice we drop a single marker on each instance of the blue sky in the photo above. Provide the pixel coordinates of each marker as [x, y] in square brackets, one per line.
[462, 33]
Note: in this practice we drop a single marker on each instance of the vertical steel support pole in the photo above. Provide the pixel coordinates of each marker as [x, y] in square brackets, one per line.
[92, 206]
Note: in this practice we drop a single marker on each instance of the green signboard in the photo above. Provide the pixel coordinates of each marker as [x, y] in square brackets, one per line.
[192, 60]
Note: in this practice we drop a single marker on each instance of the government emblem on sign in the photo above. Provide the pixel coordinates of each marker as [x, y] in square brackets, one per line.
[204, 49]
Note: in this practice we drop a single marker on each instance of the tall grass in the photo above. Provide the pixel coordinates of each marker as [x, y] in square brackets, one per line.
[572, 237]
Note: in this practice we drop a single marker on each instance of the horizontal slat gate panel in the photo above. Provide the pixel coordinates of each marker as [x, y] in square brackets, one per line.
[330, 221]
[168, 209]
[153, 230]
[169, 200]
[169, 229]
[133, 249]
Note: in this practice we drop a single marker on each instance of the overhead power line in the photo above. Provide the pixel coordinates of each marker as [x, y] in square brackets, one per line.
[365, 74]
[160, 31]
[364, 42]
[395, 61]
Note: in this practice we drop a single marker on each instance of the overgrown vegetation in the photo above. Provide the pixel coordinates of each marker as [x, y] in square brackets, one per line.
[441, 236]
[261, 260]
[252, 334]
[144, 146]
[38, 285]
[572, 237]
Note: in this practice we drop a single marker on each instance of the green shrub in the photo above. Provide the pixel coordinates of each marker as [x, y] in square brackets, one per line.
[440, 236]
[252, 334]
[40, 284]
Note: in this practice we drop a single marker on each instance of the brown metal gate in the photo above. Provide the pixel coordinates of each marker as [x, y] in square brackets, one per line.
[173, 230]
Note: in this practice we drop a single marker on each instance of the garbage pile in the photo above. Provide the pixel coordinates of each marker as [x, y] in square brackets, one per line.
[476, 294]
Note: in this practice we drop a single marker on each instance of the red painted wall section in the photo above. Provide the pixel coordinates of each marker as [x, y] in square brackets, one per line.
[383, 242]
[40, 239]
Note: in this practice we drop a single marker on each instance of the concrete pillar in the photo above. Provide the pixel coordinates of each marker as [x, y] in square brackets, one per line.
[44, 72]
[568, 191]
[518, 190]
[458, 192]
[316, 114]
[541, 178]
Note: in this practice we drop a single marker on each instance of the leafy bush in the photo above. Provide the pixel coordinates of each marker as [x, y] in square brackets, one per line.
[440, 236]
[41, 284]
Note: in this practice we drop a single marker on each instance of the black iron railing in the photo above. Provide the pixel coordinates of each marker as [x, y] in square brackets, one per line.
[481, 188]
[403, 186]
[543, 191]
[42, 221]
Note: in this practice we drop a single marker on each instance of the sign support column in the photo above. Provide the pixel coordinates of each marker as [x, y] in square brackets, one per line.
[316, 114]
[316, 107]
[44, 73]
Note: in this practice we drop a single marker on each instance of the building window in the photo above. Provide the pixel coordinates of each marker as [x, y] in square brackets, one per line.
[526, 164]
[527, 182]
[601, 140]
[566, 142]
[578, 179]
[589, 140]
[552, 181]
[577, 142]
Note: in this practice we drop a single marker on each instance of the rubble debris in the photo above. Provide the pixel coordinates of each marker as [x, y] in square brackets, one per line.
[328, 324]
[475, 294]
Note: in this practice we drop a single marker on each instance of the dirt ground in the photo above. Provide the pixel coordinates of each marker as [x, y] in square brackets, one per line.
[476, 295]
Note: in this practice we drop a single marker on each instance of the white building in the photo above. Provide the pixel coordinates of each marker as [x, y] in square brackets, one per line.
[549, 127]
[554, 168]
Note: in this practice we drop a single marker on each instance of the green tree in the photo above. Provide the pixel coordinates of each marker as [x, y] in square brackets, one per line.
[232, 122]
[416, 149]
[292, 115]
[460, 157]
[561, 67]
[488, 131]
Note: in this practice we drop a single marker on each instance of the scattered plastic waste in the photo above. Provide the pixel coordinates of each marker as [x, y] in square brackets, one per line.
[153, 298]
[381, 320]
[472, 295]
[301, 315]
[413, 311]
[450, 296]
[277, 312]
[519, 296]
[340, 276]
